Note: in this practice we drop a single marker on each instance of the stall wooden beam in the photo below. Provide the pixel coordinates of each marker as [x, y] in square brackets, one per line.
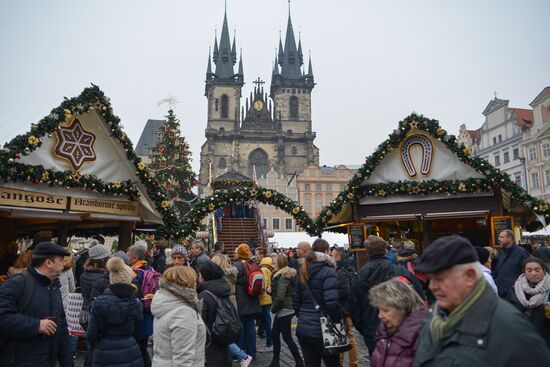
[124, 235]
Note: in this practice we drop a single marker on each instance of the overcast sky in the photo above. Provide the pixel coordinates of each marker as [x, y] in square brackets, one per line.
[374, 61]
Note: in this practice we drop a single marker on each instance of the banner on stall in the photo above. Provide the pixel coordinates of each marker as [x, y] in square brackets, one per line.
[105, 206]
[30, 199]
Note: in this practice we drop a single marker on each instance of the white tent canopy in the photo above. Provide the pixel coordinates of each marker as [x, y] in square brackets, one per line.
[291, 239]
[540, 232]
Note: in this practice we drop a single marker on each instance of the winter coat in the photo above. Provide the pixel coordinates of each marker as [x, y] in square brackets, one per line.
[231, 279]
[178, 331]
[87, 281]
[100, 286]
[491, 333]
[364, 316]
[25, 346]
[282, 288]
[345, 272]
[267, 268]
[247, 305]
[398, 350]
[67, 284]
[323, 285]
[534, 315]
[159, 262]
[113, 319]
[508, 268]
[216, 355]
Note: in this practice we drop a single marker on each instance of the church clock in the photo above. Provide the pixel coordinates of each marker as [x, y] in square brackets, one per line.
[258, 105]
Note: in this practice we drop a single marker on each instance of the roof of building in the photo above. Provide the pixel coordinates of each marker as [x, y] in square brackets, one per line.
[232, 175]
[541, 96]
[149, 137]
[524, 117]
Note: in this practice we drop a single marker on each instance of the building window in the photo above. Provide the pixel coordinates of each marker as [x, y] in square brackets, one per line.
[275, 224]
[515, 153]
[318, 187]
[329, 187]
[264, 222]
[532, 154]
[497, 160]
[307, 203]
[294, 151]
[312, 173]
[319, 204]
[216, 104]
[341, 173]
[288, 224]
[306, 187]
[225, 106]
[222, 163]
[499, 138]
[535, 183]
[506, 157]
[494, 140]
[546, 150]
[294, 107]
[517, 178]
[547, 177]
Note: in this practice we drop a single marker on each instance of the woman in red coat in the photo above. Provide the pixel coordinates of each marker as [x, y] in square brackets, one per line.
[401, 311]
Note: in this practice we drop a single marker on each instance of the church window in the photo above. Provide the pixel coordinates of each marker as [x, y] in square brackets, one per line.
[294, 151]
[222, 129]
[216, 104]
[222, 163]
[225, 106]
[293, 90]
[294, 108]
[289, 131]
[258, 159]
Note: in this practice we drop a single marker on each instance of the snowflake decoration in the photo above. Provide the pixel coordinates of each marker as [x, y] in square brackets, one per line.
[75, 144]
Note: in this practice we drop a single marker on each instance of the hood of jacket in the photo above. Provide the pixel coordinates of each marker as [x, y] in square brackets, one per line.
[286, 272]
[267, 261]
[219, 287]
[166, 300]
[231, 274]
[321, 261]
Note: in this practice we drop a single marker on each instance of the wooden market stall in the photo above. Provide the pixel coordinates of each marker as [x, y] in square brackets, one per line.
[76, 173]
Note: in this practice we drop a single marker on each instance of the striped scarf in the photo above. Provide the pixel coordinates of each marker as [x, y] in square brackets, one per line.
[439, 326]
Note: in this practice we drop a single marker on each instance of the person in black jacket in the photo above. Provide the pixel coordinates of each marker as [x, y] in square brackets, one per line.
[159, 257]
[376, 271]
[35, 333]
[113, 318]
[211, 279]
[508, 263]
[346, 274]
[318, 284]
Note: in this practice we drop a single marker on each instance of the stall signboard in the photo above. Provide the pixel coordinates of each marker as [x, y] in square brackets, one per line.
[31, 199]
[105, 206]
[499, 224]
[357, 233]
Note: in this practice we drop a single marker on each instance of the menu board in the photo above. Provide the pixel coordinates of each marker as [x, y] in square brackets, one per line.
[356, 236]
[499, 224]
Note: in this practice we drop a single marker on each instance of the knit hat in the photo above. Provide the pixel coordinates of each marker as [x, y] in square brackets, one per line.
[119, 272]
[99, 252]
[243, 251]
[93, 243]
[123, 256]
[210, 271]
[179, 250]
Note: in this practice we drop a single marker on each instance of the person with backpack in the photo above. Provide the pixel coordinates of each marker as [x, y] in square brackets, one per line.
[179, 332]
[264, 326]
[317, 285]
[113, 319]
[346, 274]
[250, 285]
[217, 312]
[378, 270]
[146, 280]
[33, 327]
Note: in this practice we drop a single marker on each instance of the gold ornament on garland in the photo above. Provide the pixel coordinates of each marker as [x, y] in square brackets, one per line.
[462, 187]
[141, 166]
[350, 195]
[295, 210]
[33, 140]
[268, 194]
[440, 131]
[165, 204]
[117, 184]
[211, 207]
[45, 176]
[382, 193]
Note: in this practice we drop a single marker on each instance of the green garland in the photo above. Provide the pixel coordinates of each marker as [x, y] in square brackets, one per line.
[90, 99]
[224, 198]
[226, 184]
[494, 178]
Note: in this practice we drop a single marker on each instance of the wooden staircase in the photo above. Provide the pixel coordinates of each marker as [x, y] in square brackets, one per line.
[236, 231]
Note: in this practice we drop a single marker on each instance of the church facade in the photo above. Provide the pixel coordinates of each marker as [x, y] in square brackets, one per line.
[269, 131]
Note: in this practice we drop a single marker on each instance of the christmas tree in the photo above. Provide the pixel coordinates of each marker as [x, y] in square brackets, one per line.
[172, 165]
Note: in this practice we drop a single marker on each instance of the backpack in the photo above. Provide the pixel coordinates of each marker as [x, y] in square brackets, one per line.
[149, 285]
[254, 279]
[226, 328]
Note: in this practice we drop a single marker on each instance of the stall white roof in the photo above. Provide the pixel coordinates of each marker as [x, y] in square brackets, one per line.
[291, 239]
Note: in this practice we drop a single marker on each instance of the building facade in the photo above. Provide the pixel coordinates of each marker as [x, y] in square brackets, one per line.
[536, 147]
[468, 138]
[499, 138]
[318, 186]
[274, 219]
[269, 132]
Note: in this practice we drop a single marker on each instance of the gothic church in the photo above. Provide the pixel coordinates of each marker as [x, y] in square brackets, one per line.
[270, 132]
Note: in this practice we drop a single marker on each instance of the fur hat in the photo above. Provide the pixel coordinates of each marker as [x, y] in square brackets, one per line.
[99, 252]
[119, 272]
[243, 251]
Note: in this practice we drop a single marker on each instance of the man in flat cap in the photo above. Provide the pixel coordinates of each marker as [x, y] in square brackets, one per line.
[469, 325]
[33, 327]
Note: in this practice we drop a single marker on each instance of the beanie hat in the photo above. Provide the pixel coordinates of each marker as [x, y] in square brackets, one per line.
[243, 251]
[99, 252]
[210, 271]
[119, 272]
[179, 250]
[123, 256]
[93, 243]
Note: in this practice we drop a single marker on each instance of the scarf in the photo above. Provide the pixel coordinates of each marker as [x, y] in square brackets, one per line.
[539, 293]
[188, 295]
[439, 326]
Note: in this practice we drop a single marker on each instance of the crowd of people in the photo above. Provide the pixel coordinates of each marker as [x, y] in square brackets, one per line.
[455, 304]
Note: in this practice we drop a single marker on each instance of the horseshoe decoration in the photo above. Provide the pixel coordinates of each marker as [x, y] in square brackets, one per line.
[427, 154]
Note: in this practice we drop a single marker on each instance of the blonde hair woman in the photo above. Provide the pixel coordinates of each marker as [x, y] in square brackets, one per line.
[178, 330]
[230, 274]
